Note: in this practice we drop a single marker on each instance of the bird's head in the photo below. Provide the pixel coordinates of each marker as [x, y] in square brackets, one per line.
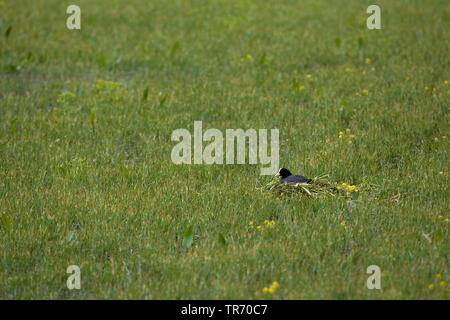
[283, 172]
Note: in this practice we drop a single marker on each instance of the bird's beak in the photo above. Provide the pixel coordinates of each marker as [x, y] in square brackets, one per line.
[277, 174]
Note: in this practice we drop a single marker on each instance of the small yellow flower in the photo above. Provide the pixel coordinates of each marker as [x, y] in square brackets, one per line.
[242, 59]
[272, 222]
[266, 221]
[441, 217]
[301, 88]
[343, 223]
[442, 283]
[347, 130]
[347, 193]
[351, 188]
[444, 137]
[365, 91]
[438, 275]
[426, 88]
[434, 89]
[324, 153]
[350, 142]
[344, 184]
[352, 136]
[271, 288]
[258, 227]
[441, 172]
[347, 69]
[251, 223]
[339, 187]
[373, 69]
[446, 220]
[357, 94]
[249, 56]
[368, 60]
[431, 286]
[308, 76]
[436, 139]
[445, 81]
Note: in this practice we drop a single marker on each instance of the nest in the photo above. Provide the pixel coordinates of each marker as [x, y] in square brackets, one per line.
[319, 187]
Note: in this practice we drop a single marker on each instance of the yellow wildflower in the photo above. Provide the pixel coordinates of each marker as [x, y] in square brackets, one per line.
[442, 283]
[438, 275]
[431, 286]
[271, 288]
[368, 60]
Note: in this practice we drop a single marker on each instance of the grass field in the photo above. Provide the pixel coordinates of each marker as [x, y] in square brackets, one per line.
[86, 176]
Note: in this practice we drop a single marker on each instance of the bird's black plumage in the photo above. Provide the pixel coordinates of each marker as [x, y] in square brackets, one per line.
[287, 177]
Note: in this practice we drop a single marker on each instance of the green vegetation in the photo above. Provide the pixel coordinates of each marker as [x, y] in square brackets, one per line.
[86, 177]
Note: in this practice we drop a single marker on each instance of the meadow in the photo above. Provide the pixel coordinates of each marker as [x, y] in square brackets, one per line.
[86, 176]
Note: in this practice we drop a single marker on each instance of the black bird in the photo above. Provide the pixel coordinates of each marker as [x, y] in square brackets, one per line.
[287, 177]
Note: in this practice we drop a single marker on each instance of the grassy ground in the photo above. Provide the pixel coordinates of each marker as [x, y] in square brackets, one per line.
[87, 178]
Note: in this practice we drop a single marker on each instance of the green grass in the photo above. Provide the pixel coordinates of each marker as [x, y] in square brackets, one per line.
[87, 178]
